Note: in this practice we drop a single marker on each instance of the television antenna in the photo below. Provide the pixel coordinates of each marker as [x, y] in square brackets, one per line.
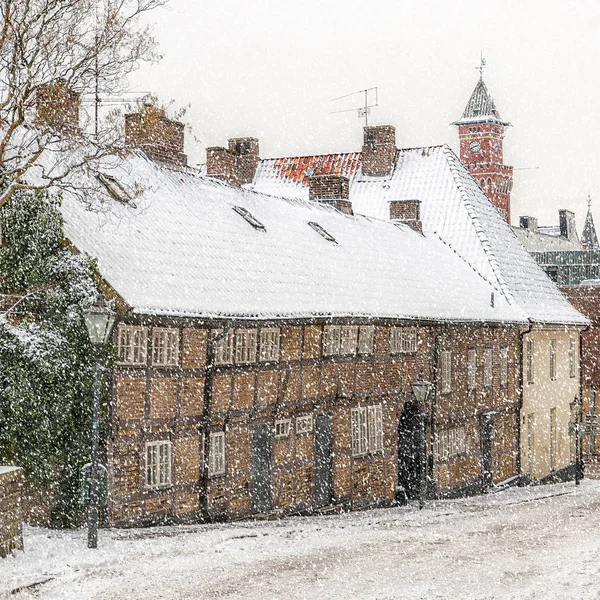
[365, 109]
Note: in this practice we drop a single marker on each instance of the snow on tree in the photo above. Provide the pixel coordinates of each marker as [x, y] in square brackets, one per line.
[50, 50]
[46, 359]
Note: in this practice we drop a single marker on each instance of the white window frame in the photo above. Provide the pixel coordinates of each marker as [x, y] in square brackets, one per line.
[488, 367]
[446, 371]
[304, 424]
[471, 369]
[158, 464]
[223, 348]
[366, 337]
[530, 371]
[216, 454]
[245, 346]
[403, 340]
[450, 443]
[348, 340]
[132, 344]
[366, 423]
[269, 344]
[572, 361]
[552, 358]
[282, 428]
[165, 346]
[331, 340]
[504, 366]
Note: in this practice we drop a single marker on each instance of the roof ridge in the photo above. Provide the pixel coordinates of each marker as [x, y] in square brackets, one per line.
[453, 164]
[298, 156]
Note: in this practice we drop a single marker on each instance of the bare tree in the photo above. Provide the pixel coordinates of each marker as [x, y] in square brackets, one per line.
[50, 49]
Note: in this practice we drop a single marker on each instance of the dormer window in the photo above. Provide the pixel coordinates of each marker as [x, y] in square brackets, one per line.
[114, 188]
[322, 232]
[249, 218]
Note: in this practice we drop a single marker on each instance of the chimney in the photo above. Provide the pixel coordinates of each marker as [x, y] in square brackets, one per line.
[331, 189]
[57, 106]
[158, 136]
[246, 158]
[567, 225]
[408, 212]
[529, 224]
[379, 150]
[220, 163]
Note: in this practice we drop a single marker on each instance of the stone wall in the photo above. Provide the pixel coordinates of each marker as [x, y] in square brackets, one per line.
[11, 486]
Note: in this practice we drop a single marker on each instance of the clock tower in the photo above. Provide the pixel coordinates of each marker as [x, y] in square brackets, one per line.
[481, 133]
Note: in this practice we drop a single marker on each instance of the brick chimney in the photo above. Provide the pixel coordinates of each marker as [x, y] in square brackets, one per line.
[529, 224]
[379, 150]
[236, 164]
[158, 136]
[57, 106]
[246, 158]
[331, 189]
[408, 212]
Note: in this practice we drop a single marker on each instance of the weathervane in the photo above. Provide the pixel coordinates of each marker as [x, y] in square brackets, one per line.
[363, 111]
[589, 201]
[481, 67]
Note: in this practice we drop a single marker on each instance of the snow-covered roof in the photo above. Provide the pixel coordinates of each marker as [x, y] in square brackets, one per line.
[454, 208]
[542, 241]
[184, 250]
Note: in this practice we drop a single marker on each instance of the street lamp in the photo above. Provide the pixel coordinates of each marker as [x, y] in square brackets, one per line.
[576, 414]
[99, 320]
[421, 390]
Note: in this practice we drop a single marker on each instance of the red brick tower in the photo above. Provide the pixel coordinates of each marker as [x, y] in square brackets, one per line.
[481, 131]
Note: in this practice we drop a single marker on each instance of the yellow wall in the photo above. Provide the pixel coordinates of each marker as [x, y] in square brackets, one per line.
[544, 395]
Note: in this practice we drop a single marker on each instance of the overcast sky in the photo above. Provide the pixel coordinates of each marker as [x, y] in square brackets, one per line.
[269, 69]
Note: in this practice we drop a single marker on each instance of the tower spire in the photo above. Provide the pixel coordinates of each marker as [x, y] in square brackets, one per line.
[481, 66]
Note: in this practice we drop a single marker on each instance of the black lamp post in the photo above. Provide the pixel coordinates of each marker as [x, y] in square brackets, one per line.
[99, 320]
[576, 414]
[421, 390]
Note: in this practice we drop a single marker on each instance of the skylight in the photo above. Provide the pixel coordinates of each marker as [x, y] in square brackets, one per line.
[249, 218]
[322, 232]
[115, 189]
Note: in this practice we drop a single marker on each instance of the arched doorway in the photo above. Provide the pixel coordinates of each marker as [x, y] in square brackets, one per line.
[410, 458]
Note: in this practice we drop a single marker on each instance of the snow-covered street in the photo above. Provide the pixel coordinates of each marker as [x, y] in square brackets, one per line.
[537, 542]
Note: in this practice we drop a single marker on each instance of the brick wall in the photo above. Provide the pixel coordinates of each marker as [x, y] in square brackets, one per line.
[379, 150]
[159, 137]
[235, 164]
[58, 107]
[11, 510]
[167, 403]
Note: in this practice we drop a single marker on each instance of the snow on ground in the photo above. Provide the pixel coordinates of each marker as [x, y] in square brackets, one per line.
[536, 542]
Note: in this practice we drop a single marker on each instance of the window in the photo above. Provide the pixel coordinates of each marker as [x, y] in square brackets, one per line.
[471, 368]
[530, 373]
[132, 344]
[366, 333]
[359, 431]
[348, 340]
[216, 454]
[165, 346]
[331, 340]
[572, 361]
[504, 366]
[245, 346]
[223, 348]
[367, 429]
[282, 428]
[114, 188]
[158, 464]
[488, 357]
[446, 371]
[553, 439]
[375, 428]
[249, 218]
[324, 234]
[403, 340]
[269, 344]
[552, 348]
[304, 424]
[450, 443]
